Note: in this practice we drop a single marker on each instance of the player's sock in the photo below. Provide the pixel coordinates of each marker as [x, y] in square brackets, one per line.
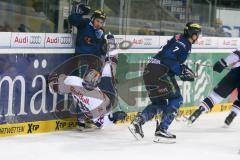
[205, 106]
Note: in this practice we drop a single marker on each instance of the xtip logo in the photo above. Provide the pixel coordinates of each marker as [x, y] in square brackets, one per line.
[32, 128]
[60, 125]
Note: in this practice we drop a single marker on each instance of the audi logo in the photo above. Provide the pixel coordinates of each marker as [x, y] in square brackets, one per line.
[35, 39]
[65, 40]
[147, 41]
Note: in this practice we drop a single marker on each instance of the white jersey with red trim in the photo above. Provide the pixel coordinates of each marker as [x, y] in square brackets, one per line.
[93, 103]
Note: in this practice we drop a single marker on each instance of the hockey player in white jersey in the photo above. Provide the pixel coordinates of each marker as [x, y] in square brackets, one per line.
[95, 94]
[224, 88]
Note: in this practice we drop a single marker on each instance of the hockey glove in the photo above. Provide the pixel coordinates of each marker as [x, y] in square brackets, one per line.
[187, 74]
[53, 82]
[219, 66]
[117, 116]
[81, 9]
[56, 84]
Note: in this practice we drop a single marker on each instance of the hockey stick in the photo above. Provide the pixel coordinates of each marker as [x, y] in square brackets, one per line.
[204, 65]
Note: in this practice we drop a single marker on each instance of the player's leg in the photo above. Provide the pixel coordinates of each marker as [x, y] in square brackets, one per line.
[152, 77]
[220, 92]
[84, 123]
[234, 111]
[106, 84]
[169, 113]
[206, 105]
[153, 109]
[147, 114]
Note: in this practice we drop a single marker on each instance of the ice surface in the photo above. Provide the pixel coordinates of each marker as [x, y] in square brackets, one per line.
[205, 140]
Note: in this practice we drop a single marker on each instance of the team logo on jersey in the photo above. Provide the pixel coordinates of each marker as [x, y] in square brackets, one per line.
[88, 40]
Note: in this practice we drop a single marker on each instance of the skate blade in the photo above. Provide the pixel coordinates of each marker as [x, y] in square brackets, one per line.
[136, 135]
[225, 126]
[189, 123]
[164, 140]
[82, 129]
[183, 119]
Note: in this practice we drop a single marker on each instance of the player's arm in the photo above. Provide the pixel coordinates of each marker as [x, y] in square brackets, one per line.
[76, 18]
[73, 81]
[104, 45]
[170, 59]
[57, 85]
[233, 58]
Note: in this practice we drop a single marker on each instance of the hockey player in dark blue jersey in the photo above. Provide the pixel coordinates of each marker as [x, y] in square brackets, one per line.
[224, 88]
[163, 90]
[90, 33]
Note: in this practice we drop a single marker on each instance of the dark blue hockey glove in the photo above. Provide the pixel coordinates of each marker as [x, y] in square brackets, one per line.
[187, 73]
[81, 9]
[117, 116]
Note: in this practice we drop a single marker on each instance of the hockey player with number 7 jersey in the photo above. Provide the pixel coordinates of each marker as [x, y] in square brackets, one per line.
[230, 82]
[163, 90]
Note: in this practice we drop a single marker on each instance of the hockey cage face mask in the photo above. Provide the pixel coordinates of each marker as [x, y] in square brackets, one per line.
[91, 79]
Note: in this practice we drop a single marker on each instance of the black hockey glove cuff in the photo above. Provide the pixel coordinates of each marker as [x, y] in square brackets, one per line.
[219, 66]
